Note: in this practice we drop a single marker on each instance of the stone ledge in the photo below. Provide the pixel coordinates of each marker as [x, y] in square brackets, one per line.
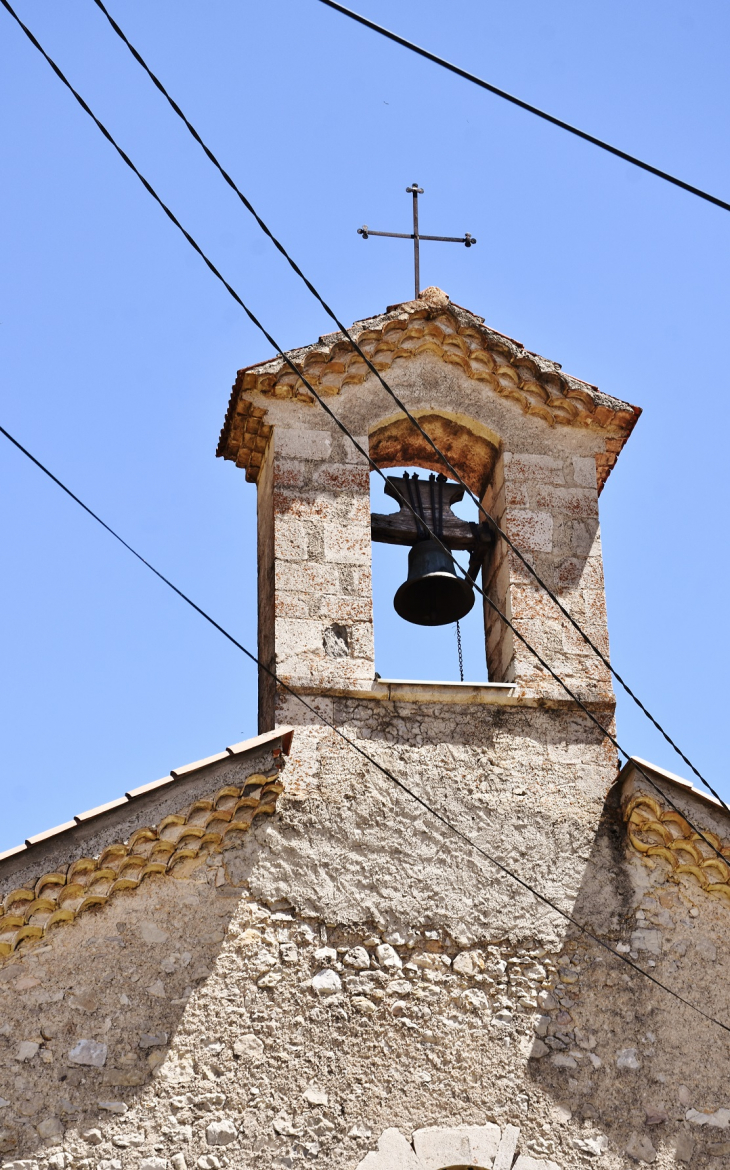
[466, 694]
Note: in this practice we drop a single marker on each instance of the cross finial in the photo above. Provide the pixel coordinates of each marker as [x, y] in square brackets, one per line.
[415, 235]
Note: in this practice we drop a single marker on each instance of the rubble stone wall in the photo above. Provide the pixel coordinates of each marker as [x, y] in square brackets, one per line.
[230, 1018]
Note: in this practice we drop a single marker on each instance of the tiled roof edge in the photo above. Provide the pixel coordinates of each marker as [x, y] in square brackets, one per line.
[680, 782]
[280, 733]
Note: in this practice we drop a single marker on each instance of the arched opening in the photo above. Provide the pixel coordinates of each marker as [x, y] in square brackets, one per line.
[403, 648]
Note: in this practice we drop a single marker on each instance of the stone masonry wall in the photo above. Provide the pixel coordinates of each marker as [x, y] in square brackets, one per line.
[206, 1023]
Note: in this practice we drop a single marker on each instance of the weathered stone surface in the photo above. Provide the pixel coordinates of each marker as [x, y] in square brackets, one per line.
[344, 972]
[438, 1146]
[358, 958]
[524, 1162]
[716, 1119]
[394, 1153]
[50, 1127]
[639, 1148]
[27, 1049]
[506, 1149]
[90, 1052]
[326, 983]
[220, 1133]
[249, 1046]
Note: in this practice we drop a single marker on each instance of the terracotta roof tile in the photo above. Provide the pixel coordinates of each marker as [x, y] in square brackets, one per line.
[175, 844]
[538, 385]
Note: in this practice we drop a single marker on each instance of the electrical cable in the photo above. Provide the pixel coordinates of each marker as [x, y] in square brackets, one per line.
[361, 751]
[523, 105]
[453, 472]
[341, 426]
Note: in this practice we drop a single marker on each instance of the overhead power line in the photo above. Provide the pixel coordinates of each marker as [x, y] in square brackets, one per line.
[523, 105]
[448, 824]
[341, 426]
[373, 369]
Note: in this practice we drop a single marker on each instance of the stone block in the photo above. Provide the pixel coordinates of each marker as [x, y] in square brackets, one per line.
[220, 1133]
[120, 1078]
[296, 636]
[249, 1046]
[531, 531]
[326, 983]
[584, 471]
[640, 1148]
[524, 1162]
[532, 469]
[291, 605]
[346, 545]
[577, 503]
[301, 444]
[306, 578]
[507, 1147]
[343, 478]
[50, 1128]
[27, 1049]
[303, 505]
[647, 940]
[345, 609]
[290, 539]
[90, 1052]
[438, 1146]
[290, 473]
[516, 495]
[361, 640]
[394, 1153]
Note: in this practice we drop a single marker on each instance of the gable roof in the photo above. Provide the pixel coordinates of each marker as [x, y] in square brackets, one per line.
[158, 828]
[431, 323]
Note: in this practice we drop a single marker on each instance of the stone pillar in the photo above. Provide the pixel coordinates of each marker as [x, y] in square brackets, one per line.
[315, 592]
[548, 505]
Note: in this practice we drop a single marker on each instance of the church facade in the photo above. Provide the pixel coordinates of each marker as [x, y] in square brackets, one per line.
[276, 957]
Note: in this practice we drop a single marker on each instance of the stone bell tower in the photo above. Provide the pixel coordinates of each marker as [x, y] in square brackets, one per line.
[535, 445]
[452, 962]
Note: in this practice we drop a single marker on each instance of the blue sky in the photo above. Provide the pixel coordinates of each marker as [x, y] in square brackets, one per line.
[119, 348]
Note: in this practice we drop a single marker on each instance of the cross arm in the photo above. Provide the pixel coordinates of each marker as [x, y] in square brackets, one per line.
[468, 239]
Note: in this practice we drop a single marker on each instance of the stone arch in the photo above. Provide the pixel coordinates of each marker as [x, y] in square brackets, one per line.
[469, 446]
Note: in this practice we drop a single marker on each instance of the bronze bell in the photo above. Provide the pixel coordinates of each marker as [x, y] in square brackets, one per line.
[433, 595]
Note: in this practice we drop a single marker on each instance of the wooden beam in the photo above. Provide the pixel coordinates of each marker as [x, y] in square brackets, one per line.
[400, 528]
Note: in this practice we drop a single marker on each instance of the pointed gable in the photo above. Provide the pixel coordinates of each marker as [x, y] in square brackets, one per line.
[452, 334]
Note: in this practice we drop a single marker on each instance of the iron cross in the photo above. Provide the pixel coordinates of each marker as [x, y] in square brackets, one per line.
[415, 235]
